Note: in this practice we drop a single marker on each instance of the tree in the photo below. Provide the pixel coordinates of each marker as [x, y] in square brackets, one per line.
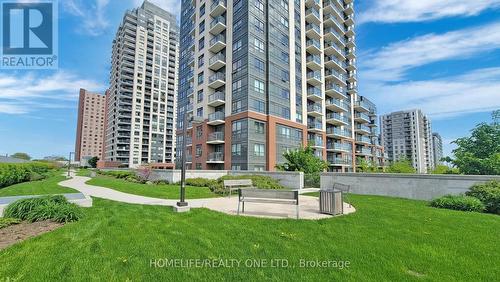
[479, 153]
[366, 166]
[303, 159]
[93, 162]
[22, 156]
[443, 169]
[401, 166]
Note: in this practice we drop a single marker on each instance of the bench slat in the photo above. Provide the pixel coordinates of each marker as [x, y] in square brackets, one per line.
[272, 194]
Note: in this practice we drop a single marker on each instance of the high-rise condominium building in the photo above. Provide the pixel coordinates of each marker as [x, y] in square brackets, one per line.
[268, 76]
[90, 125]
[408, 135]
[437, 148]
[143, 84]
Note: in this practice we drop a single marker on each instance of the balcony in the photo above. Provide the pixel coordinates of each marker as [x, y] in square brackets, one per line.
[217, 80]
[312, 3]
[336, 132]
[339, 161]
[335, 62]
[351, 65]
[364, 152]
[218, 25]
[336, 91]
[314, 78]
[216, 138]
[337, 119]
[339, 147]
[351, 53]
[349, 20]
[313, 46]
[350, 31]
[217, 99]
[313, 31]
[332, 6]
[314, 110]
[314, 94]
[351, 42]
[337, 77]
[314, 62]
[362, 129]
[349, 9]
[332, 34]
[312, 16]
[361, 106]
[217, 43]
[215, 157]
[362, 118]
[332, 49]
[337, 105]
[217, 61]
[217, 8]
[216, 118]
[363, 140]
[315, 127]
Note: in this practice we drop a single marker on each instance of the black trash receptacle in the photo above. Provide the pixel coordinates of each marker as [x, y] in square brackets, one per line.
[330, 202]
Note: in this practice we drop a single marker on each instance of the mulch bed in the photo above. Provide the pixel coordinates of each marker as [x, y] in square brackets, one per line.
[24, 230]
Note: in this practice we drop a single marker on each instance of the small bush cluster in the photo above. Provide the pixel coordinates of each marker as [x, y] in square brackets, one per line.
[4, 222]
[217, 186]
[489, 194]
[459, 203]
[130, 176]
[55, 208]
[16, 173]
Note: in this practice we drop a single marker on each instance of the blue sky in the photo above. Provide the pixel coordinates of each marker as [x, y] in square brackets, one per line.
[441, 56]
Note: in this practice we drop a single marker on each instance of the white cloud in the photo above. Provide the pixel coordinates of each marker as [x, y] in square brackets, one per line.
[392, 11]
[391, 62]
[476, 91]
[22, 94]
[91, 13]
[172, 6]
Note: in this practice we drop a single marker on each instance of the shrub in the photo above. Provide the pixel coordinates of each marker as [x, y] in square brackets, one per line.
[160, 182]
[489, 194]
[120, 174]
[258, 181]
[55, 208]
[458, 202]
[4, 222]
[16, 173]
[200, 182]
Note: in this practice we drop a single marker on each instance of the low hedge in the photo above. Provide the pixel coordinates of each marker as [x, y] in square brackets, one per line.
[217, 186]
[120, 174]
[489, 194]
[458, 202]
[55, 208]
[11, 174]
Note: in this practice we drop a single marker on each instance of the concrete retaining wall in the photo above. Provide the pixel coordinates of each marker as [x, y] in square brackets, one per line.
[411, 186]
[292, 180]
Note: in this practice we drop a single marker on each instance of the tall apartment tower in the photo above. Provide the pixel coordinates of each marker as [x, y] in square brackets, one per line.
[267, 76]
[408, 135]
[437, 148]
[90, 125]
[141, 102]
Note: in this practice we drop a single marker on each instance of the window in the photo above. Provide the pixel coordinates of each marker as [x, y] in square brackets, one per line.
[199, 112]
[236, 150]
[284, 21]
[199, 97]
[259, 26]
[201, 43]
[202, 10]
[201, 26]
[237, 65]
[258, 106]
[198, 166]
[198, 150]
[285, 94]
[285, 75]
[201, 60]
[258, 168]
[259, 5]
[259, 65]
[258, 86]
[285, 57]
[237, 46]
[259, 150]
[236, 128]
[258, 45]
[259, 127]
[236, 167]
[239, 24]
[200, 78]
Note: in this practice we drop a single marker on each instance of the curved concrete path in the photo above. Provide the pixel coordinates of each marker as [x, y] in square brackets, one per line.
[308, 208]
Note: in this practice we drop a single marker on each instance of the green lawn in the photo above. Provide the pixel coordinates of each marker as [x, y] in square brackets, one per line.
[151, 190]
[41, 187]
[387, 239]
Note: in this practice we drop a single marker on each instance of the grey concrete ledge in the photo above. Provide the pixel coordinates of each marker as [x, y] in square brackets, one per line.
[416, 175]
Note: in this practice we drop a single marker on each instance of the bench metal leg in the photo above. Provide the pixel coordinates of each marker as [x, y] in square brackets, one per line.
[243, 210]
[238, 207]
[297, 211]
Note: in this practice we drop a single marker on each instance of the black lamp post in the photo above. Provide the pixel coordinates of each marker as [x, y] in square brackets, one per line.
[69, 161]
[182, 202]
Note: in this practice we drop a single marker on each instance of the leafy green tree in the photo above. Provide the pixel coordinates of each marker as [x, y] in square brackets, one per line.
[366, 166]
[22, 156]
[401, 166]
[93, 162]
[303, 159]
[443, 169]
[479, 153]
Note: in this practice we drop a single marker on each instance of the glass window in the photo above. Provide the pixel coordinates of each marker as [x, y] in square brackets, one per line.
[259, 65]
[259, 86]
[236, 150]
[258, 45]
[259, 127]
[259, 150]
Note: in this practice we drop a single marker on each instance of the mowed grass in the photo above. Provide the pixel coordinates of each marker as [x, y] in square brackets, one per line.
[387, 239]
[40, 187]
[151, 190]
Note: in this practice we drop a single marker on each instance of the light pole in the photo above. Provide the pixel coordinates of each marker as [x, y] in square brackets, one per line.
[69, 162]
[194, 120]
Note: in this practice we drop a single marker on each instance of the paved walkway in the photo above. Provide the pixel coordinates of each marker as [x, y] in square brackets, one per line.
[308, 208]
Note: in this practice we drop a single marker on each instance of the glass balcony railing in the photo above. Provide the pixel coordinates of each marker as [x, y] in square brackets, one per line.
[216, 157]
[216, 116]
[337, 102]
[216, 136]
[313, 42]
[217, 96]
[217, 76]
[314, 108]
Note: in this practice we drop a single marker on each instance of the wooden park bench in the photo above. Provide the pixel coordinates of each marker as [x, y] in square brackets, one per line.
[268, 196]
[231, 185]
